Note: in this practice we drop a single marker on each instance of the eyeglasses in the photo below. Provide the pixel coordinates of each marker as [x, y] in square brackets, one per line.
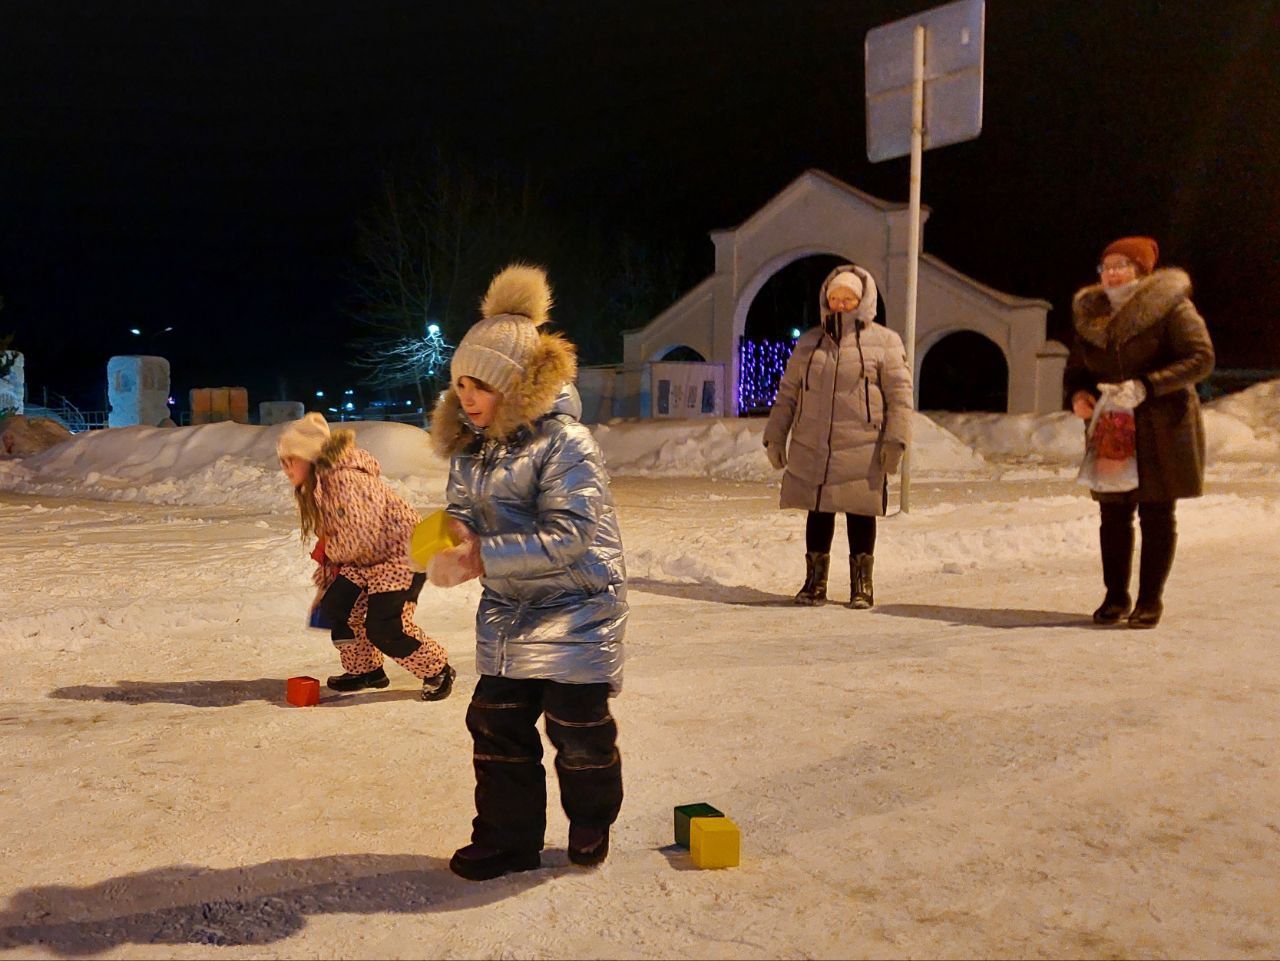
[1117, 268]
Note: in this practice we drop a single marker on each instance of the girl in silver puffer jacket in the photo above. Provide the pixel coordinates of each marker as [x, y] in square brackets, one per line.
[531, 507]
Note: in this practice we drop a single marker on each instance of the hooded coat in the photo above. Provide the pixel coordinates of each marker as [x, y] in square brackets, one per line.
[533, 488]
[846, 391]
[1156, 336]
[365, 524]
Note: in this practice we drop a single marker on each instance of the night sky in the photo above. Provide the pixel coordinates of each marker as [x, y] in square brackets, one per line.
[205, 165]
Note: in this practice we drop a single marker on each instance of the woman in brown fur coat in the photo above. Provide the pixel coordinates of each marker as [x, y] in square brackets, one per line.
[1139, 329]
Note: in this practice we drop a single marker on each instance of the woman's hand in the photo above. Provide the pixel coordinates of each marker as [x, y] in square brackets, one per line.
[777, 455]
[1082, 404]
[891, 456]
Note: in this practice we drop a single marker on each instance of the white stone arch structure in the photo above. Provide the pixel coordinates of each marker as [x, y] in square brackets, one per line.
[818, 214]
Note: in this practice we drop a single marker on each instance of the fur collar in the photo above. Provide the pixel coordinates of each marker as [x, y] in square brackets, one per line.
[553, 365]
[1156, 295]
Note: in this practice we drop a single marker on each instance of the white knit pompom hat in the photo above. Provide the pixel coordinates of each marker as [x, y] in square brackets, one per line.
[303, 438]
[498, 348]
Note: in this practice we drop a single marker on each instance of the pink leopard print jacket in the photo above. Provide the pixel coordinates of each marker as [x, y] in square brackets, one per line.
[365, 524]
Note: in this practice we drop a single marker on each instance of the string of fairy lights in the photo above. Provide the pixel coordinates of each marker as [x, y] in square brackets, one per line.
[760, 367]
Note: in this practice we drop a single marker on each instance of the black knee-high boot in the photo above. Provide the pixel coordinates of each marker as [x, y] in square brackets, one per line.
[1159, 539]
[1115, 536]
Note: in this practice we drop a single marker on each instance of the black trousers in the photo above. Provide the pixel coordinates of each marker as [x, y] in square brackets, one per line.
[383, 622]
[1159, 541]
[511, 788]
[820, 529]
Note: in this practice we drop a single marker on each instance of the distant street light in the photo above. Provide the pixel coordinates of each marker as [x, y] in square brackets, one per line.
[149, 336]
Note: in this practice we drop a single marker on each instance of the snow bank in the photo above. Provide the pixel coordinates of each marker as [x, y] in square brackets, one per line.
[733, 449]
[236, 464]
[210, 464]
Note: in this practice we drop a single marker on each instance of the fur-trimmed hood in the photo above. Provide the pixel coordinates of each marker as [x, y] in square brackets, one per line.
[554, 365]
[865, 313]
[340, 451]
[1156, 294]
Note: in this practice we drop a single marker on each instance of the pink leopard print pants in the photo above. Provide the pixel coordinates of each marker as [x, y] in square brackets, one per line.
[360, 656]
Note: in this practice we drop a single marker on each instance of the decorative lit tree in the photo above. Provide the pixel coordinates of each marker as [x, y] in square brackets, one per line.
[418, 362]
[429, 247]
[761, 364]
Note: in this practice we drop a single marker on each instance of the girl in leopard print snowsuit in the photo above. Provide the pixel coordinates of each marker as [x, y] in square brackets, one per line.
[366, 589]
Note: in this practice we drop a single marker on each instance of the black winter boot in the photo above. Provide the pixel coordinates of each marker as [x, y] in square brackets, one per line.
[355, 682]
[438, 686]
[860, 582]
[476, 862]
[1159, 539]
[1115, 536]
[814, 592]
[588, 846]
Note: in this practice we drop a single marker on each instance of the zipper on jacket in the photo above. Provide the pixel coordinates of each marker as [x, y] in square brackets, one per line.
[862, 362]
[809, 366]
[831, 427]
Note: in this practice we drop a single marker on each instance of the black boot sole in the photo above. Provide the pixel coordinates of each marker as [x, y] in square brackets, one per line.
[363, 685]
[486, 869]
[592, 858]
[444, 690]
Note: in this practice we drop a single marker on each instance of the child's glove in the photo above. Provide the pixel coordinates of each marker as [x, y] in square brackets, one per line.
[456, 565]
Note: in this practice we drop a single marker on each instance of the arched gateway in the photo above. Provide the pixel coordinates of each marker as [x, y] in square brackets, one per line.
[818, 214]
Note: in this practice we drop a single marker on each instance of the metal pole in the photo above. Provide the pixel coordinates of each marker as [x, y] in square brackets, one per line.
[913, 234]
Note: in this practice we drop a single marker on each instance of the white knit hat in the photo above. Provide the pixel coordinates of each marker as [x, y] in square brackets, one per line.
[846, 278]
[303, 438]
[497, 349]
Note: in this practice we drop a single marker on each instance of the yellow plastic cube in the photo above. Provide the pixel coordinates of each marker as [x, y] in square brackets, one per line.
[714, 842]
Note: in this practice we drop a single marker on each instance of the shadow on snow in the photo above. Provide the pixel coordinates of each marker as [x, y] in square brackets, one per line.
[254, 905]
[215, 693]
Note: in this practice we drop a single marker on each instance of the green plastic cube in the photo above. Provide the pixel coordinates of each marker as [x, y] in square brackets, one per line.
[685, 813]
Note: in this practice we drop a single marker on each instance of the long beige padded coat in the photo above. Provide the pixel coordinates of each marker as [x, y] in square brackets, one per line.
[838, 403]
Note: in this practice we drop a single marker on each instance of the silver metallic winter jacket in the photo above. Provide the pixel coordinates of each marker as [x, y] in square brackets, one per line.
[536, 493]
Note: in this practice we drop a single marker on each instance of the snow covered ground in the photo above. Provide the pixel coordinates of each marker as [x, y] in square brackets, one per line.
[969, 769]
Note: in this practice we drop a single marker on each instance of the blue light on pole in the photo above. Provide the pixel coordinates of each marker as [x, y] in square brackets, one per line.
[319, 393]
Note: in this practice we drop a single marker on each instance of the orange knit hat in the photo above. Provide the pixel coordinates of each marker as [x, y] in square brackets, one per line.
[1143, 251]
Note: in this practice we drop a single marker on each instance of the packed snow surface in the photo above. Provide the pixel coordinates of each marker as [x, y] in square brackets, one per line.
[969, 769]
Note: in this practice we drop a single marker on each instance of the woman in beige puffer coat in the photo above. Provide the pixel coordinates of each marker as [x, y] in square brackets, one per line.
[839, 427]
